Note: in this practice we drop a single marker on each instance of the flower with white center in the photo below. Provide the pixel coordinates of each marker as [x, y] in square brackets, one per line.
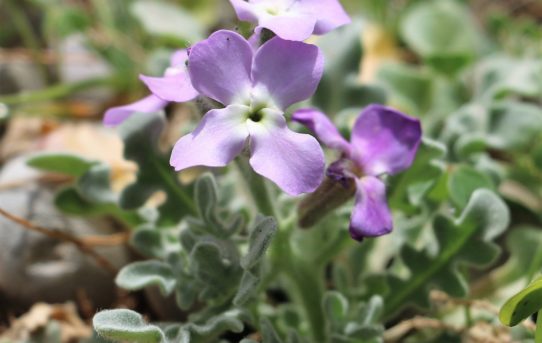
[255, 88]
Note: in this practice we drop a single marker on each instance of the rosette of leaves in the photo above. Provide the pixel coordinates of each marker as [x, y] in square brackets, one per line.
[202, 265]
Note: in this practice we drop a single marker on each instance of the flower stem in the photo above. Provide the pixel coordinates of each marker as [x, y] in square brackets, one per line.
[305, 279]
[257, 188]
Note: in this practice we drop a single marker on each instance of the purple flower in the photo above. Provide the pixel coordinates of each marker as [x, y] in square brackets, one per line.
[174, 86]
[292, 19]
[256, 88]
[384, 141]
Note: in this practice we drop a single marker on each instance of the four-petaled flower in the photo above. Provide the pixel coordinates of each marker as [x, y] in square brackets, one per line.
[384, 141]
[292, 19]
[174, 86]
[255, 88]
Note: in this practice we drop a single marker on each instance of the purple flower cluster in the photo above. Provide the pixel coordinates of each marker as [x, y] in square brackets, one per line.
[383, 141]
[256, 85]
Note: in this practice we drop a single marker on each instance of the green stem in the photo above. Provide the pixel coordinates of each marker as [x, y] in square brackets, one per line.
[258, 188]
[305, 278]
[57, 91]
[538, 332]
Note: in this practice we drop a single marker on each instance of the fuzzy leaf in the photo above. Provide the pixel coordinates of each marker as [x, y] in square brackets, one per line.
[139, 275]
[94, 185]
[71, 165]
[147, 240]
[523, 304]
[465, 240]
[463, 181]
[409, 188]
[336, 307]
[260, 238]
[140, 134]
[126, 325]
[269, 334]
[410, 87]
[247, 288]
[525, 254]
[443, 32]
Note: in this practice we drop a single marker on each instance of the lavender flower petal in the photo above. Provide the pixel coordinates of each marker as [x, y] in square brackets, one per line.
[219, 137]
[245, 10]
[173, 87]
[294, 161]
[179, 58]
[371, 216]
[287, 71]
[385, 140]
[323, 128]
[220, 66]
[116, 115]
[329, 14]
[291, 26]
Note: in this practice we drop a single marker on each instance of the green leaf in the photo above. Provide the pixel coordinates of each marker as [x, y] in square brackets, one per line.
[126, 325]
[409, 189]
[411, 88]
[500, 76]
[214, 264]
[147, 240]
[139, 275]
[464, 240]
[247, 288]
[269, 334]
[260, 238]
[71, 165]
[523, 304]
[336, 307]
[525, 255]
[444, 32]
[513, 125]
[140, 134]
[71, 202]
[463, 181]
[166, 19]
[94, 185]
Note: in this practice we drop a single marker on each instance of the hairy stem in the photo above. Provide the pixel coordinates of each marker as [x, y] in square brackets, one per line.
[305, 278]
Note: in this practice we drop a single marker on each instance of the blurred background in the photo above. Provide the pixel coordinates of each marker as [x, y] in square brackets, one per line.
[64, 62]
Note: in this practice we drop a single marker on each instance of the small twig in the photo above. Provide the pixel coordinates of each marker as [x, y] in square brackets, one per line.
[115, 239]
[395, 333]
[63, 236]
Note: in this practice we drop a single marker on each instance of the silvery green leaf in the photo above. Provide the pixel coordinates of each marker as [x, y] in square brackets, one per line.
[463, 181]
[247, 288]
[126, 325]
[336, 307]
[139, 275]
[269, 334]
[147, 240]
[94, 185]
[260, 238]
